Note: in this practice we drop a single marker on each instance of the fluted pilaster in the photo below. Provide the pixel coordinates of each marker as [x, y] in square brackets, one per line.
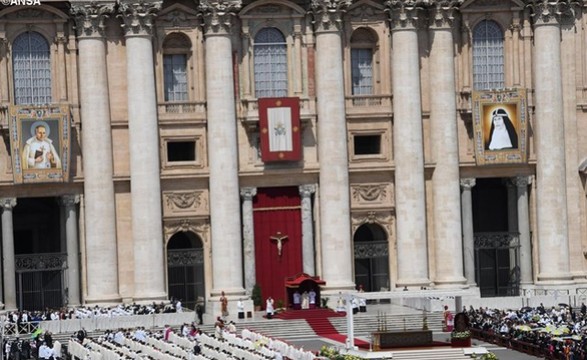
[308, 255]
[522, 183]
[69, 202]
[468, 235]
[248, 193]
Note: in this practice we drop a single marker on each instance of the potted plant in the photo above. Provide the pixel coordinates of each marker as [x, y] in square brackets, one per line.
[256, 297]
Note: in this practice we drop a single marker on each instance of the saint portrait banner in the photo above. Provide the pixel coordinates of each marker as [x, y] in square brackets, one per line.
[279, 124]
[500, 126]
[40, 143]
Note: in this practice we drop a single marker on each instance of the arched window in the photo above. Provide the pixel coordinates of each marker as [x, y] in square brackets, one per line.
[270, 61]
[176, 51]
[31, 64]
[363, 43]
[488, 56]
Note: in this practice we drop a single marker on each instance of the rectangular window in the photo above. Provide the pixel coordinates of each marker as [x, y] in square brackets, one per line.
[175, 75]
[367, 144]
[362, 71]
[178, 151]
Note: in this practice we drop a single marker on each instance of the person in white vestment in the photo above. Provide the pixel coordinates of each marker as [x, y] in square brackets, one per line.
[269, 309]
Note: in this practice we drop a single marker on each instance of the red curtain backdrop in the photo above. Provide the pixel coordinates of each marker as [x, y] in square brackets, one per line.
[277, 210]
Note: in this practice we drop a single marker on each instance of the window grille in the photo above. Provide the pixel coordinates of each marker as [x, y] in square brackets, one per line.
[175, 75]
[31, 64]
[270, 62]
[488, 58]
[362, 71]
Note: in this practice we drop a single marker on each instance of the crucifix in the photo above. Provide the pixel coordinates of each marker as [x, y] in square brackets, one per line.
[279, 238]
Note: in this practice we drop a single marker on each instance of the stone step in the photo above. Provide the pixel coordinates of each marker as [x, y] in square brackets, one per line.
[435, 354]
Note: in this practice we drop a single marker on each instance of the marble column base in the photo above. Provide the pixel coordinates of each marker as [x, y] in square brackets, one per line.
[410, 283]
[554, 279]
[106, 299]
[451, 283]
[152, 297]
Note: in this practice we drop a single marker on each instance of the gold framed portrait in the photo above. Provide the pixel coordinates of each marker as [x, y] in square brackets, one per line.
[500, 126]
[40, 143]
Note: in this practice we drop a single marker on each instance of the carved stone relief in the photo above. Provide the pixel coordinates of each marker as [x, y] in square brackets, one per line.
[185, 202]
[383, 218]
[364, 195]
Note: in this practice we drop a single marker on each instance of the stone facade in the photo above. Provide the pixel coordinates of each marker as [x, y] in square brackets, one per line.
[130, 194]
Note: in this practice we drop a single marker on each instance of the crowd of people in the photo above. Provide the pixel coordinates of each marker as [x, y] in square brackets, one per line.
[84, 312]
[41, 346]
[186, 343]
[558, 332]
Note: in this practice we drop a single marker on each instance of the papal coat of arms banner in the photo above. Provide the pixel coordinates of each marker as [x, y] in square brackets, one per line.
[500, 125]
[40, 143]
[279, 123]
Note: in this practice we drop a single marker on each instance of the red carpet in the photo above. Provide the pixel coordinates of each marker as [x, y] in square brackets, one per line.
[318, 321]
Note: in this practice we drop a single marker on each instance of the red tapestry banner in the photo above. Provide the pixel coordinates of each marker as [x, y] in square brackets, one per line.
[279, 123]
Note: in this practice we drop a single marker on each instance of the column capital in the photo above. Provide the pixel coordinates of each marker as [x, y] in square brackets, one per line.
[468, 183]
[89, 17]
[138, 16]
[522, 181]
[405, 14]
[442, 13]
[248, 193]
[551, 12]
[69, 200]
[218, 15]
[328, 14]
[307, 190]
[8, 203]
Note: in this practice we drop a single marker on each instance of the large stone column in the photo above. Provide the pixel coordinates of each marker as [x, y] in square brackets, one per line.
[443, 119]
[100, 215]
[526, 277]
[147, 228]
[551, 195]
[335, 227]
[408, 150]
[8, 266]
[73, 269]
[468, 235]
[227, 270]
[308, 255]
[248, 193]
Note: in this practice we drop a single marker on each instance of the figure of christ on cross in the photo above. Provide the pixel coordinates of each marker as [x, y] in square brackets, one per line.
[279, 238]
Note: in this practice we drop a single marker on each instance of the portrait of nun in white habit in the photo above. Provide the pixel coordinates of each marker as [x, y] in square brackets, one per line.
[503, 133]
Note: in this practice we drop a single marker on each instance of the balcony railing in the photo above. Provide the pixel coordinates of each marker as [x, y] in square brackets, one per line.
[169, 111]
[369, 104]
